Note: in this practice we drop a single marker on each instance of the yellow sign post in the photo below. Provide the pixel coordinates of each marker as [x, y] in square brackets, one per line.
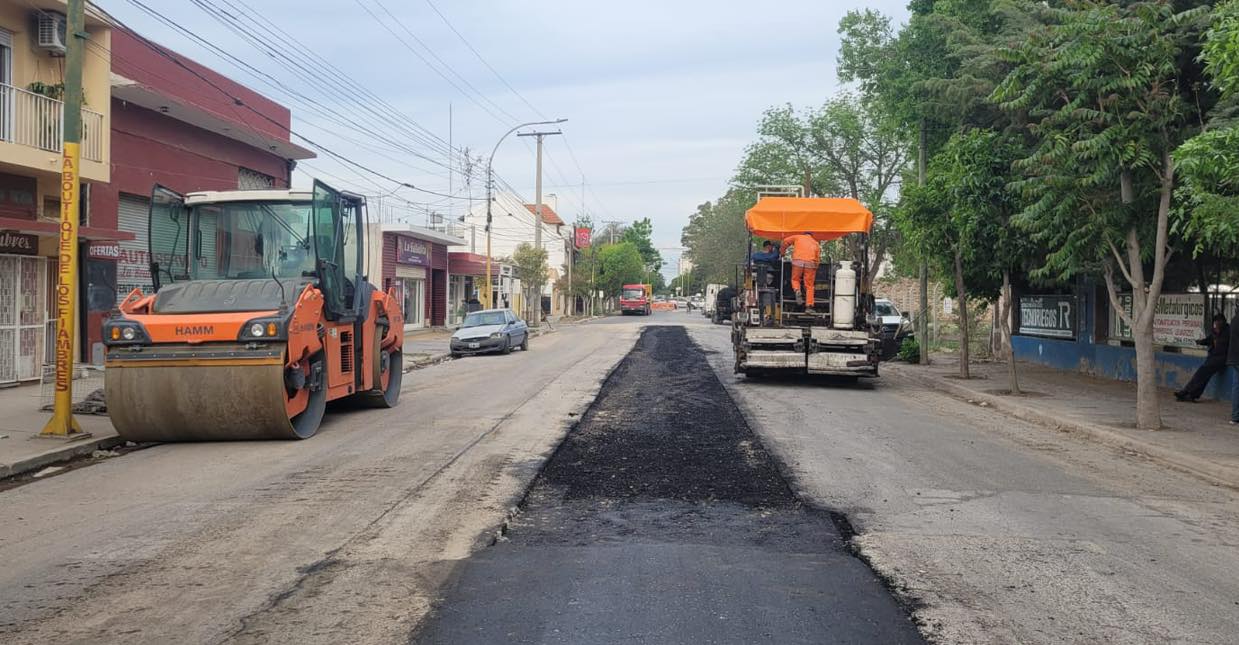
[62, 423]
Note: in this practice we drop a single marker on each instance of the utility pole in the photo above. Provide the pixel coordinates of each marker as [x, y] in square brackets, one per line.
[923, 320]
[63, 425]
[490, 187]
[571, 244]
[537, 224]
[614, 224]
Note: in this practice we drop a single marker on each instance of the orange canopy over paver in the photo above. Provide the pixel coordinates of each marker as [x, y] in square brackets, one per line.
[825, 218]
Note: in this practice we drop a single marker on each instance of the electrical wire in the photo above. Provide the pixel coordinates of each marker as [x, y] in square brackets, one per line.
[318, 108]
[262, 42]
[403, 41]
[484, 62]
[239, 102]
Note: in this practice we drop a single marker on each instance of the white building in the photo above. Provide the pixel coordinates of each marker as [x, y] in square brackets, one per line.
[512, 224]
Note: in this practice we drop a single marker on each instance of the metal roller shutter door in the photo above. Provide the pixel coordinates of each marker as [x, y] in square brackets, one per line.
[133, 267]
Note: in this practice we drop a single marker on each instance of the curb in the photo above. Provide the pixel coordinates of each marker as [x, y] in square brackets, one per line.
[431, 359]
[1203, 468]
[63, 453]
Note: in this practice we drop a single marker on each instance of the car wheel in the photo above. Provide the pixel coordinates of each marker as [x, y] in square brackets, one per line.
[507, 345]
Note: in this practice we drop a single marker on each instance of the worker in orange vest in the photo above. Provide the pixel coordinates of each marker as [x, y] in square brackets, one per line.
[806, 253]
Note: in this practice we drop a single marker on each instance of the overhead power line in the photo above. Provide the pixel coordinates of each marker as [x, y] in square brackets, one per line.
[484, 62]
[241, 103]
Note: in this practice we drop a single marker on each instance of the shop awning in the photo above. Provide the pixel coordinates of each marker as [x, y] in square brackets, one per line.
[469, 264]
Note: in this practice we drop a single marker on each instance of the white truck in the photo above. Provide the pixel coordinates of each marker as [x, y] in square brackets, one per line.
[711, 299]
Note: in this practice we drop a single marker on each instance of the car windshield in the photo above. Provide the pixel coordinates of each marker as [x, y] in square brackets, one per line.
[480, 318]
[633, 294]
[245, 240]
[885, 309]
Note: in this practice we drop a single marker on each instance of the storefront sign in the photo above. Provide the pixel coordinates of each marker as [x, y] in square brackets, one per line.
[1050, 316]
[583, 236]
[19, 243]
[411, 251]
[103, 251]
[17, 196]
[1178, 319]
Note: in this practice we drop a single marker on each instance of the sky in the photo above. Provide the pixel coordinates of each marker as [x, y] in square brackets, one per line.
[660, 98]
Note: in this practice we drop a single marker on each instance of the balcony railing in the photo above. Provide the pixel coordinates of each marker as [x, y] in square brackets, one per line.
[34, 120]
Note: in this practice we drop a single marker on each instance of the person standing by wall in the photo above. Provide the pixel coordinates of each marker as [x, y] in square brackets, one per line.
[1218, 343]
[1232, 359]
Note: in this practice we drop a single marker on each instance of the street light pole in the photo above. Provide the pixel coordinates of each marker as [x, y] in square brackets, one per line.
[490, 185]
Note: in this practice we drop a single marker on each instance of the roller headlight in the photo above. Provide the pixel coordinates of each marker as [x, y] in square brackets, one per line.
[263, 329]
[121, 331]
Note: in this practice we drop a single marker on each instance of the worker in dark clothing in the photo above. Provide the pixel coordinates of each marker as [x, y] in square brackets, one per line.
[767, 279]
[769, 253]
[1218, 343]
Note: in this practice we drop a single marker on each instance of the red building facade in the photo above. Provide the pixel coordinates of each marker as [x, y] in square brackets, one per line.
[415, 262]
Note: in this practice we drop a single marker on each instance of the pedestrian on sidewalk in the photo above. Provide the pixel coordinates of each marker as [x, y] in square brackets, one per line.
[1232, 359]
[1218, 342]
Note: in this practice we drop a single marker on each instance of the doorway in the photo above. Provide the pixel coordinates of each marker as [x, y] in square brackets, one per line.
[23, 317]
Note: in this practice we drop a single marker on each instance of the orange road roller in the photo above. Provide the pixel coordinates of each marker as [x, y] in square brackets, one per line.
[261, 314]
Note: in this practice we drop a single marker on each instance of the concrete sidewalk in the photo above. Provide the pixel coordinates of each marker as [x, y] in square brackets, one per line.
[1198, 437]
[22, 450]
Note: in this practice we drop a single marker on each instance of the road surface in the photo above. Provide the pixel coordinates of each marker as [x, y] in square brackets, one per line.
[380, 529]
[341, 538]
[999, 530]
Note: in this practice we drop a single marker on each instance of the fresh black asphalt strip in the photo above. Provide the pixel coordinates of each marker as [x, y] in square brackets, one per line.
[662, 519]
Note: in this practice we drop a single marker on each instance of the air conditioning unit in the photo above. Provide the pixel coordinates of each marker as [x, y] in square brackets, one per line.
[50, 32]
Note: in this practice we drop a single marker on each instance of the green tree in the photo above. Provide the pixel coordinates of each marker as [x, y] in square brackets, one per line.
[640, 234]
[866, 157]
[529, 264]
[1099, 86]
[716, 238]
[959, 221]
[970, 181]
[618, 265]
[1208, 163]
[785, 154]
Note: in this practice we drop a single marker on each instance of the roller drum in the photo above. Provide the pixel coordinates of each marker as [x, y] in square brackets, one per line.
[197, 402]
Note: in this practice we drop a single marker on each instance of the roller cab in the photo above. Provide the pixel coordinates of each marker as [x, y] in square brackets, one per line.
[261, 314]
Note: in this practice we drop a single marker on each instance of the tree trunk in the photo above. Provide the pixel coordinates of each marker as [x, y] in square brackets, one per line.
[963, 316]
[1005, 327]
[922, 322]
[1148, 406]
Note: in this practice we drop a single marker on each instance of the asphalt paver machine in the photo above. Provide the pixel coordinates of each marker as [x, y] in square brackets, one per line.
[773, 331]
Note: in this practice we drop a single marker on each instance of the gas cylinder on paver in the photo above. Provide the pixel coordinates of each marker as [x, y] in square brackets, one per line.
[844, 308]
